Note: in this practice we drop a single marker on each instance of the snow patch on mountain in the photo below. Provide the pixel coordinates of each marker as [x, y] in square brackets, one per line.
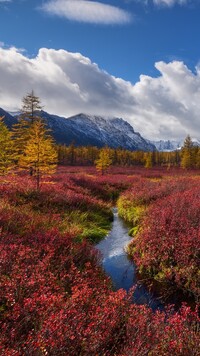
[171, 145]
[94, 130]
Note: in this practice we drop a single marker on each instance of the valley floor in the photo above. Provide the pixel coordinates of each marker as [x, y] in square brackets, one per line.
[55, 298]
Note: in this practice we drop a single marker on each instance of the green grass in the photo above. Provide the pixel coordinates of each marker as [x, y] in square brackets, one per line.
[92, 226]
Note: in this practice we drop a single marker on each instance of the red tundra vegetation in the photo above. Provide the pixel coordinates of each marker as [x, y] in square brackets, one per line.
[55, 299]
[166, 246]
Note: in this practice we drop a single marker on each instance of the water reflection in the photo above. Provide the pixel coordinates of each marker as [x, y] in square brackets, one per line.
[117, 265]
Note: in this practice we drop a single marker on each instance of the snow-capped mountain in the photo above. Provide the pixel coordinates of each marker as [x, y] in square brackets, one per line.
[85, 130]
[95, 130]
[172, 145]
[196, 142]
[167, 146]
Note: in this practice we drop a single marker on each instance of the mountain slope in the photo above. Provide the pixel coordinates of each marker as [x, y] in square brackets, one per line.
[9, 120]
[167, 146]
[171, 145]
[84, 130]
[95, 130]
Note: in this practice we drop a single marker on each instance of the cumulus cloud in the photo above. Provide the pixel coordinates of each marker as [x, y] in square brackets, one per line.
[87, 11]
[167, 106]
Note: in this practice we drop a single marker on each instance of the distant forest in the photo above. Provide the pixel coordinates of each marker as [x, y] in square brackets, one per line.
[188, 157]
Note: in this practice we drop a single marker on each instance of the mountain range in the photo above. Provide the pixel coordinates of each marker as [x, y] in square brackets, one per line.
[172, 145]
[85, 130]
[9, 119]
[97, 131]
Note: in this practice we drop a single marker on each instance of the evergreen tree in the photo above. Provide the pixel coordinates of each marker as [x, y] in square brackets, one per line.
[6, 149]
[104, 161]
[40, 155]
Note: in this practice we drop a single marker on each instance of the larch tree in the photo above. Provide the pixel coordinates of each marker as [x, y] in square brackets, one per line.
[148, 160]
[21, 131]
[6, 149]
[104, 161]
[20, 135]
[187, 154]
[40, 154]
[30, 105]
[197, 163]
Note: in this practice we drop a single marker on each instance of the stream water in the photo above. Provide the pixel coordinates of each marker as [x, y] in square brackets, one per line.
[117, 265]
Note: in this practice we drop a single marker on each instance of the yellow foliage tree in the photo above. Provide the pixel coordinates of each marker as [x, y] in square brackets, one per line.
[187, 154]
[148, 160]
[104, 161]
[20, 131]
[40, 154]
[6, 149]
[198, 158]
[20, 135]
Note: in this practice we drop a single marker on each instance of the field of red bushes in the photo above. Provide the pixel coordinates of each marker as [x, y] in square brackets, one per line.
[56, 300]
[166, 246]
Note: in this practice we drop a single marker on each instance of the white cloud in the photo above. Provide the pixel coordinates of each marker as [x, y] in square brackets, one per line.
[68, 83]
[170, 3]
[163, 3]
[87, 11]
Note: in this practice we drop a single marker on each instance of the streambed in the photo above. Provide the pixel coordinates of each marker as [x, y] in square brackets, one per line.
[119, 267]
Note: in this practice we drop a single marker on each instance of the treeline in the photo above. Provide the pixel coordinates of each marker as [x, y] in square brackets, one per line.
[29, 146]
[188, 157]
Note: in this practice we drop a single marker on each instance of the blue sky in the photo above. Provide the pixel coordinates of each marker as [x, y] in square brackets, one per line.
[137, 59]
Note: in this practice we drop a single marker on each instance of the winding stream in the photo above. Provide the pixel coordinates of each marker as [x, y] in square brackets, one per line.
[117, 265]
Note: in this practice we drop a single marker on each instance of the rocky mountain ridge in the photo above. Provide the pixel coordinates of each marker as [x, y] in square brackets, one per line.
[84, 130]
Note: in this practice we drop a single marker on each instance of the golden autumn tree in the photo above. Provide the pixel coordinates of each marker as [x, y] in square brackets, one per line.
[29, 113]
[6, 149]
[197, 160]
[187, 154]
[20, 135]
[148, 160]
[40, 154]
[104, 161]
